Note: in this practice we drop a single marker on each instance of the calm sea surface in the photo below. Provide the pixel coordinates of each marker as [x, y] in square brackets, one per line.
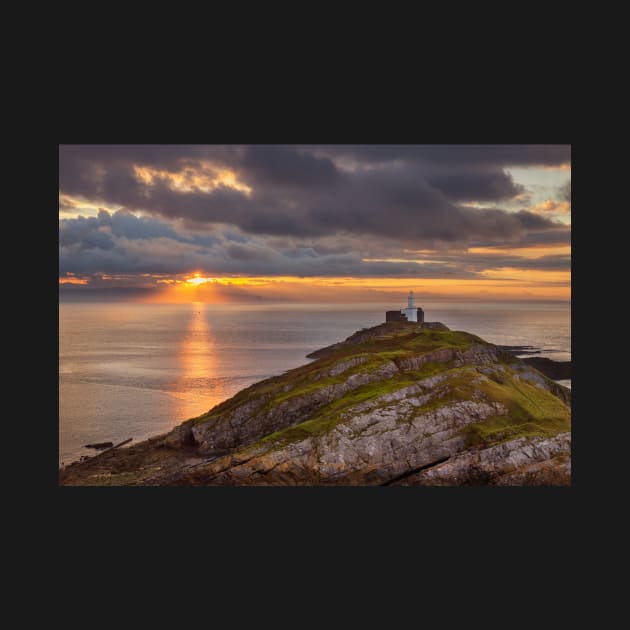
[137, 370]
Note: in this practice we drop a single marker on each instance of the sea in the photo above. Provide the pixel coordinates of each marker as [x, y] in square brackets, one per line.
[136, 370]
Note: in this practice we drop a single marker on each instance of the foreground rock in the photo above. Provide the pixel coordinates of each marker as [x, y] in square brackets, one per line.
[99, 446]
[397, 404]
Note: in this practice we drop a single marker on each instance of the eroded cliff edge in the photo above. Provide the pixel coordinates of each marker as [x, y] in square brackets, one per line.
[396, 404]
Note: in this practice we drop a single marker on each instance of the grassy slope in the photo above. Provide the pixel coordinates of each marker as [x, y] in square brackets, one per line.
[532, 412]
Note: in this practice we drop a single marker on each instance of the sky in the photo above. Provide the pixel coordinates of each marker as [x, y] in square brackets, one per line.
[314, 223]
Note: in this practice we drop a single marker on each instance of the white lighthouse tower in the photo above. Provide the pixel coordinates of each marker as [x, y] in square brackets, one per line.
[411, 311]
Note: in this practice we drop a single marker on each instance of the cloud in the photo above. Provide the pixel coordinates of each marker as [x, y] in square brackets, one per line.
[552, 262]
[141, 245]
[550, 207]
[85, 234]
[123, 223]
[66, 204]
[297, 191]
[475, 155]
[479, 185]
[286, 166]
[532, 221]
[300, 210]
[121, 243]
[560, 235]
[247, 252]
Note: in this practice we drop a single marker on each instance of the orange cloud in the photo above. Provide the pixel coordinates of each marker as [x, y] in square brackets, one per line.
[204, 177]
[73, 280]
[551, 207]
[560, 167]
[529, 252]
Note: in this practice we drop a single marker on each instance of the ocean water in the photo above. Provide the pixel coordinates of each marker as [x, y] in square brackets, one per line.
[137, 370]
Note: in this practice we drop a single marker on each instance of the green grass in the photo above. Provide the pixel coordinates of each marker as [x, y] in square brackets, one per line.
[497, 429]
[525, 400]
[532, 412]
[377, 353]
[333, 413]
[411, 342]
[307, 387]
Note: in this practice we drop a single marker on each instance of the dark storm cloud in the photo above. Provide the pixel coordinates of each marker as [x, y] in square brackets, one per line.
[532, 221]
[296, 192]
[396, 202]
[311, 210]
[89, 246]
[223, 205]
[127, 224]
[300, 252]
[560, 235]
[560, 262]
[474, 155]
[248, 253]
[76, 159]
[494, 185]
[286, 166]
[119, 223]
[85, 233]
[482, 262]
[80, 165]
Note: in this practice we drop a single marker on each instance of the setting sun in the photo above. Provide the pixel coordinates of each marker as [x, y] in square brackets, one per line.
[198, 279]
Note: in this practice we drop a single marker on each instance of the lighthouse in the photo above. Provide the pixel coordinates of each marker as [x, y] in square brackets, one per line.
[411, 311]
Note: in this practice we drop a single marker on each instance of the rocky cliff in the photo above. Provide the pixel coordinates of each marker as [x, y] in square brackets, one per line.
[397, 404]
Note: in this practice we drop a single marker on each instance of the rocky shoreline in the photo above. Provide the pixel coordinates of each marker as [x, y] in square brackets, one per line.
[555, 370]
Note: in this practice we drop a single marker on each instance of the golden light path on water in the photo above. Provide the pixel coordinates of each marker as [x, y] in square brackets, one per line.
[197, 359]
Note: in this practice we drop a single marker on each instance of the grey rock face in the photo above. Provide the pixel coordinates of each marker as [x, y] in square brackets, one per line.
[371, 447]
[510, 463]
[253, 420]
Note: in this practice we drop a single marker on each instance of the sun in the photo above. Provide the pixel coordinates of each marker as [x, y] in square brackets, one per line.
[198, 279]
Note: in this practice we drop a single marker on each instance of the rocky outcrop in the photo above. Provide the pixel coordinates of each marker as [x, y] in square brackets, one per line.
[99, 446]
[401, 404]
[261, 416]
[523, 461]
[557, 370]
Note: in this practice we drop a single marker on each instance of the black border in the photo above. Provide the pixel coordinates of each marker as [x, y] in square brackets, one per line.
[419, 516]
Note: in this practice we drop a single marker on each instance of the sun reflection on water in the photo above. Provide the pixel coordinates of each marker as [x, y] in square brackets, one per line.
[198, 366]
